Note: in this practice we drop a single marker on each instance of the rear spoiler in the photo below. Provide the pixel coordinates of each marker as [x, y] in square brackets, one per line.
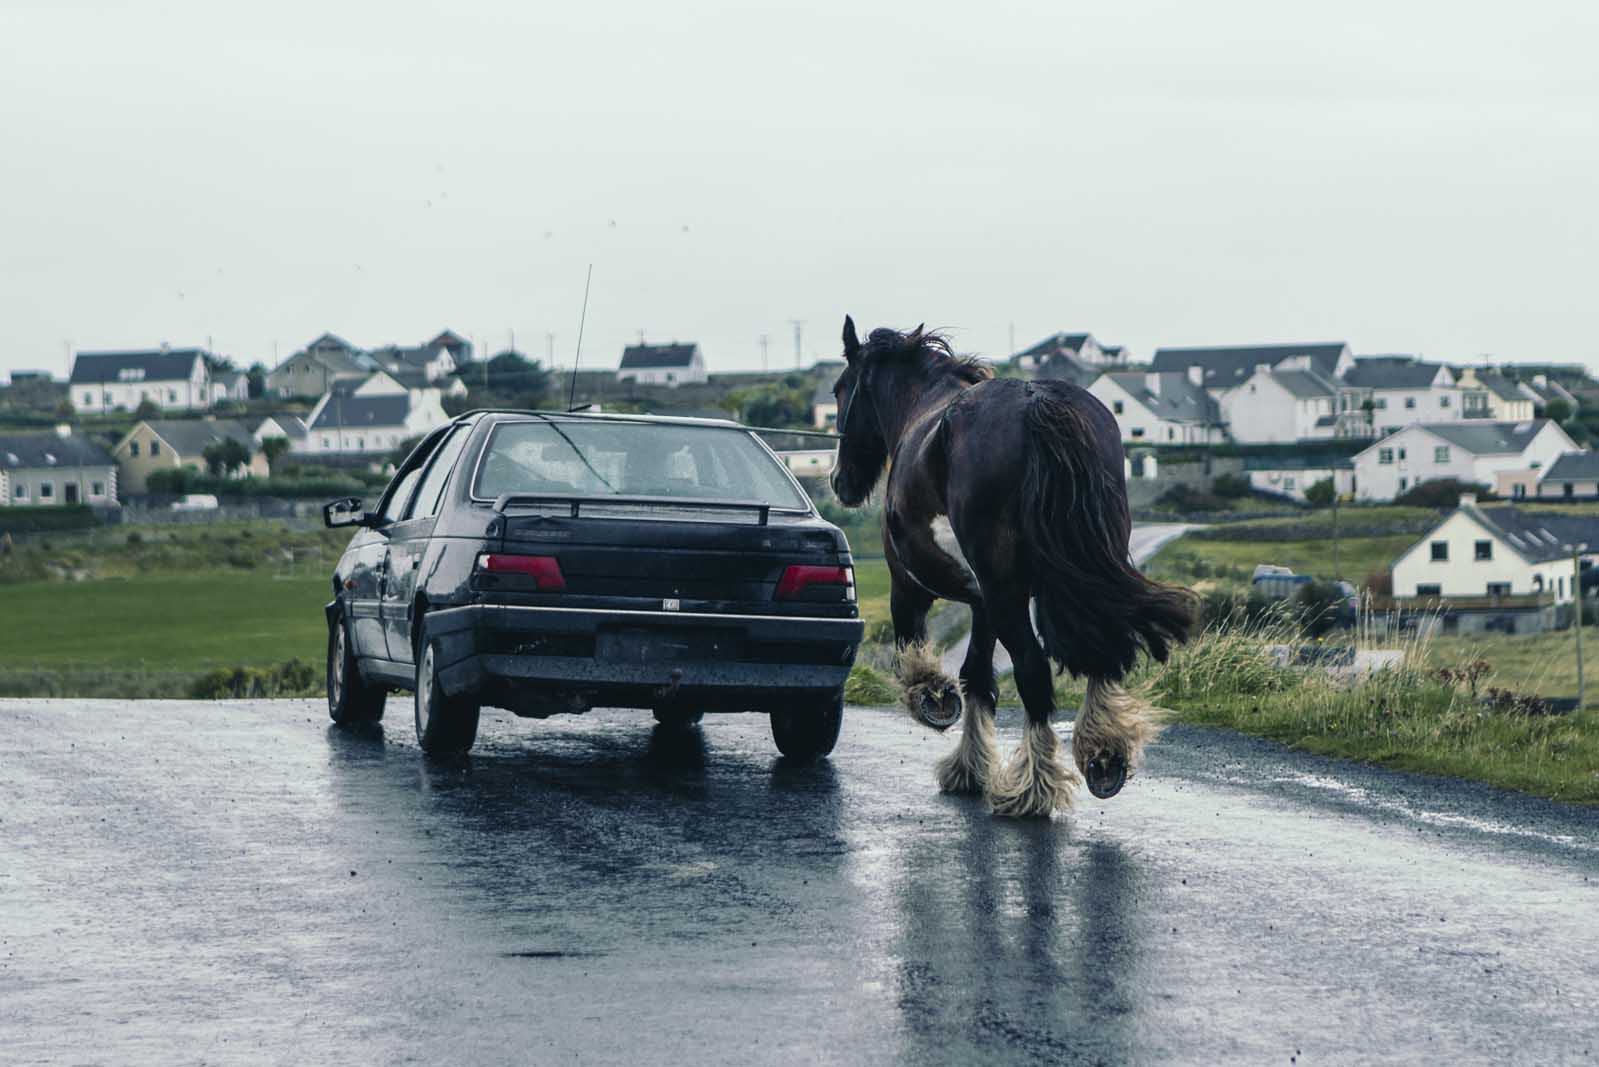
[576, 503]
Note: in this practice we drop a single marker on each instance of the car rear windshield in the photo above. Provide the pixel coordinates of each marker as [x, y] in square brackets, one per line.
[592, 458]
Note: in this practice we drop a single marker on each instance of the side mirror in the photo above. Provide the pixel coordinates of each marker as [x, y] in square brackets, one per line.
[346, 512]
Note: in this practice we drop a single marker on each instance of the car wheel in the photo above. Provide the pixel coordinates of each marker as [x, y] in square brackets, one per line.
[350, 699]
[678, 718]
[808, 733]
[445, 725]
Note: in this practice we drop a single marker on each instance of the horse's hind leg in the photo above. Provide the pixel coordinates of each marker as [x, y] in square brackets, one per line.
[969, 768]
[1036, 781]
[930, 694]
[1109, 737]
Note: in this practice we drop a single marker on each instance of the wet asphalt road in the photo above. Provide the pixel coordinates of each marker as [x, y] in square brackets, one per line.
[239, 882]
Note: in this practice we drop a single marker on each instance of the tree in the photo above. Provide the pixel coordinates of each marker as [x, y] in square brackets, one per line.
[147, 409]
[511, 373]
[225, 456]
[1321, 493]
[1231, 486]
[1441, 493]
[1558, 410]
[272, 448]
[255, 378]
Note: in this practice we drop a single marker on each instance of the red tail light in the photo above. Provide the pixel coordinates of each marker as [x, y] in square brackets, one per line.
[801, 577]
[544, 570]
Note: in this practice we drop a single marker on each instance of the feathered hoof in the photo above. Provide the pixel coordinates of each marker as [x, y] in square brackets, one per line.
[1036, 783]
[930, 695]
[1105, 774]
[966, 771]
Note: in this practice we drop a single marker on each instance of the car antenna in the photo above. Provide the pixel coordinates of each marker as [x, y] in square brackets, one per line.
[571, 390]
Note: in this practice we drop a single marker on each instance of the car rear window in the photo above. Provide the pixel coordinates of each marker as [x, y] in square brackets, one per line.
[584, 458]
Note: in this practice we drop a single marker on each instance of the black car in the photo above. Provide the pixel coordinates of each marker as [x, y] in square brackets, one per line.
[547, 563]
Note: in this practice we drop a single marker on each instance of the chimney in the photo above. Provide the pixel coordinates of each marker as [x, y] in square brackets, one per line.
[1196, 374]
[1152, 382]
[1468, 500]
[165, 348]
[1263, 368]
[63, 430]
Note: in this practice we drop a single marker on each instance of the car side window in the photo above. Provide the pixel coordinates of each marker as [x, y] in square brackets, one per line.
[401, 496]
[426, 504]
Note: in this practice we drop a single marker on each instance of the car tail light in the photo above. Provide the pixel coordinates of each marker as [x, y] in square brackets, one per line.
[544, 570]
[799, 580]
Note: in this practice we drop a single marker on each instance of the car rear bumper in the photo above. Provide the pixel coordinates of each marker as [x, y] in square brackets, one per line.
[542, 660]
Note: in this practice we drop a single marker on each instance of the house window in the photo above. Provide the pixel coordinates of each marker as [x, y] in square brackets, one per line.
[97, 489]
[1440, 454]
[1171, 435]
[1429, 589]
[47, 490]
[1503, 588]
[172, 396]
[1116, 406]
[1381, 403]
[1138, 431]
[1410, 401]
[1443, 401]
[1440, 551]
[20, 492]
[1401, 455]
[1519, 491]
[155, 448]
[360, 444]
[1385, 455]
[1288, 483]
[1562, 587]
[88, 398]
[1483, 550]
[1570, 490]
[133, 449]
[327, 442]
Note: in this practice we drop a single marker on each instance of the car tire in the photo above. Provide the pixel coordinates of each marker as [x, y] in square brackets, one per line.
[808, 733]
[678, 719]
[351, 700]
[445, 725]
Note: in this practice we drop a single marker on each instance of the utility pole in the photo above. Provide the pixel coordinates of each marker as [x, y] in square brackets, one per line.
[549, 349]
[799, 335]
[1576, 593]
[765, 365]
[1012, 351]
[1338, 571]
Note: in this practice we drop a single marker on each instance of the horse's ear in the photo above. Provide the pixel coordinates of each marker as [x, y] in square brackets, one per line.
[852, 344]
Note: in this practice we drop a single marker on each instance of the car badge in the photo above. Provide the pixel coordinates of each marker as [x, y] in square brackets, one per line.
[671, 604]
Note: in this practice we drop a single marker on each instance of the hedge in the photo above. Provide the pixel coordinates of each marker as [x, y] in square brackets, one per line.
[42, 520]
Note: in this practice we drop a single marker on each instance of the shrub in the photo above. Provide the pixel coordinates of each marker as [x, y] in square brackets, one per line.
[296, 678]
[1320, 494]
[1187, 500]
[1231, 486]
[1441, 493]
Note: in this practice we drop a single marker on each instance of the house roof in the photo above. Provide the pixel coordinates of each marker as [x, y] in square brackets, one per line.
[331, 341]
[358, 412]
[338, 357]
[1573, 467]
[152, 365]
[1549, 390]
[654, 357]
[1391, 372]
[1055, 344]
[400, 356]
[228, 378]
[1304, 384]
[1178, 399]
[37, 450]
[1500, 386]
[292, 425]
[1540, 536]
[189, 437]
[1227, 366]
[1487, 438]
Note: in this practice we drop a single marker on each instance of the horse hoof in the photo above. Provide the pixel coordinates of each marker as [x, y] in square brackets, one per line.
[1106, 774]
[939, 710]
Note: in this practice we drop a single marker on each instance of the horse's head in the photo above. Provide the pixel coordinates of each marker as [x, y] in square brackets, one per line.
[862, 447]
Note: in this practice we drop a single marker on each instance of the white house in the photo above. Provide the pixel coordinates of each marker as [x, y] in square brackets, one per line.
[1473, 453]
[55, 469]
[1574, 476]
[1227, 367]
[314, 369]
[1082, 348]
[824, 406]
[1280, 406]
[1403, 390]
[671, 364]
[289, 427]
[345, 422]
[173, 379]
[1290, 477]
[1486, 394]
[1159, 409]
[1501, 562]
[229, 386]
[432, 362]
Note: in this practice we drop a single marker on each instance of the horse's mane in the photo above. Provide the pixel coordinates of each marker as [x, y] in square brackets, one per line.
[927, 350]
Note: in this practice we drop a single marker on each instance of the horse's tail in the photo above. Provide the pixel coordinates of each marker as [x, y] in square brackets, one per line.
[1095, 611]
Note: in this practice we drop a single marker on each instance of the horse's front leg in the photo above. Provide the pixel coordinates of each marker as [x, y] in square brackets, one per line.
[969, 768]
[930, 694]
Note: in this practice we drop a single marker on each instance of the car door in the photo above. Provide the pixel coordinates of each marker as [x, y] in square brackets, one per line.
[363, 587]
[409, 540]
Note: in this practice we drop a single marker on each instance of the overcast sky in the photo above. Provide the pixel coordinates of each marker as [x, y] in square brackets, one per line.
[1408, 177]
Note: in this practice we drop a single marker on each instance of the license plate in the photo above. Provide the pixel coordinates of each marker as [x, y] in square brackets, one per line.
[657, 646]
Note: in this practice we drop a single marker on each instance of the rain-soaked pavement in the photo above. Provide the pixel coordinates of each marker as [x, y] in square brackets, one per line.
[239, 882]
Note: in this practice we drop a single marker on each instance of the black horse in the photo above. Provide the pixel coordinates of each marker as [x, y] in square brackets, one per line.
[1002, 494]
